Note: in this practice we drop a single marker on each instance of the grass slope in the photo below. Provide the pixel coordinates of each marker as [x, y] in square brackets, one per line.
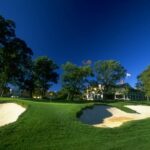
[54, 126]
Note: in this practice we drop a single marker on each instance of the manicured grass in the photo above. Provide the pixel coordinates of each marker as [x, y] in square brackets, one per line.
[54, 126]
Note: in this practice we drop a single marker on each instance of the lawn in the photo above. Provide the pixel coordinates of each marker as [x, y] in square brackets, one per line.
[54, 126]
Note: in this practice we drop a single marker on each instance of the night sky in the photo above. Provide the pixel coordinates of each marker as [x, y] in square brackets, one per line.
[77, 30]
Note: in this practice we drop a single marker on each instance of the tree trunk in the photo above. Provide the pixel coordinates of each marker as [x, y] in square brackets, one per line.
[2, 92]
[147, 98]
[68, 97]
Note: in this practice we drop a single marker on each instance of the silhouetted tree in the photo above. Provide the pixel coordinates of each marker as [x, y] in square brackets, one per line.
[15, 56]
[16, 59]
[7, 31]
[45, 74]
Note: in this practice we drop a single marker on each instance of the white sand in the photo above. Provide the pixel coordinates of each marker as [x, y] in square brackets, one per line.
[9, 112]
[119, 117]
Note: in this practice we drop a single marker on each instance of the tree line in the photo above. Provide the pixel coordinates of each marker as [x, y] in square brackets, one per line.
[17, 67]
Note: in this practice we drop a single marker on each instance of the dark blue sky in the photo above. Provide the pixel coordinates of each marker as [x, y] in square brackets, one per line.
[76, 30]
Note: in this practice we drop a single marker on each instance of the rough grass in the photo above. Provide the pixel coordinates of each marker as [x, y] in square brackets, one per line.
[54, 126]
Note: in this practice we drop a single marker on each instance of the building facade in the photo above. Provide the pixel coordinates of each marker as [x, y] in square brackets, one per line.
[119, 92]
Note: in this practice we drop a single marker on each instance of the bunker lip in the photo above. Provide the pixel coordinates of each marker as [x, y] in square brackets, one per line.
[9, 113]
[119, 117]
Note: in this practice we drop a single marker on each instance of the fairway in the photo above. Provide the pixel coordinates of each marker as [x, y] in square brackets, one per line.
[54, 126]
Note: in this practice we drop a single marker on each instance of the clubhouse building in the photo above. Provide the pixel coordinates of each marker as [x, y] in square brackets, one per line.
[119, 92]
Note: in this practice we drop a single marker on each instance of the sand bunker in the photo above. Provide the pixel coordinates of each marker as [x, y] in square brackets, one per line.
[9, 112]
[119, 117]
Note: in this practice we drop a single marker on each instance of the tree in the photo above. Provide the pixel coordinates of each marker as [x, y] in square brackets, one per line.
[74, 78]
[44, 74]
[109, 73]
[28, 84]
[16, 58]
[61, 94]
[7, 31]
[144, 81]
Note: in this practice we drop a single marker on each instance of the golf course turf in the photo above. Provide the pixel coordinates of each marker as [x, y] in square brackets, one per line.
[54, 126]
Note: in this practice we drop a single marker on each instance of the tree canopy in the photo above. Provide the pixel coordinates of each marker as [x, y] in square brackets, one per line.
[144, 81]
[15, 56]
[7, 31]
[44, 72]
[74, 78]
[109, 73]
